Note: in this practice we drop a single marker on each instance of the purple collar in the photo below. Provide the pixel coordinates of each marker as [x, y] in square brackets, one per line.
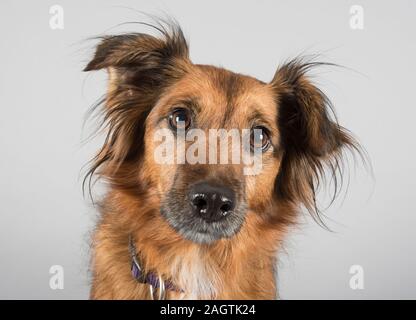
[150, 278]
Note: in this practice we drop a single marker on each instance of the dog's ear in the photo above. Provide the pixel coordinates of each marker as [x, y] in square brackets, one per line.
[140, 67]
[312, 141]
[142, 61]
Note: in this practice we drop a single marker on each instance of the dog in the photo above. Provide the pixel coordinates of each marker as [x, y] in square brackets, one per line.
[202, 230]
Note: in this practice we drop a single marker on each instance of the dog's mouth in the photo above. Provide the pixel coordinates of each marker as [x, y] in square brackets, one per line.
[199, 230]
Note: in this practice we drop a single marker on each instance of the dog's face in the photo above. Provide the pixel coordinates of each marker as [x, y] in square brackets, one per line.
[205, 201]
[154, 88]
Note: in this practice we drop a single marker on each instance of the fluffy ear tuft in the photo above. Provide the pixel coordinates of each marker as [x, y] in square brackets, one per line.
[311, 138]
[139, 59]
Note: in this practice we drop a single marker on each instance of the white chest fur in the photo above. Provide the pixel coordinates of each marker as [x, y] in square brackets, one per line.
[195, 276]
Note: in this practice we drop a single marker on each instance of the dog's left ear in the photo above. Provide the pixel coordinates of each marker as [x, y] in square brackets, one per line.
[311, 139]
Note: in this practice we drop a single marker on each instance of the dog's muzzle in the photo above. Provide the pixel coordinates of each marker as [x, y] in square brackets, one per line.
[206, 212]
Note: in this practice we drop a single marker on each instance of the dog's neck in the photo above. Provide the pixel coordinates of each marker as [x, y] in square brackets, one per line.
[241, 267]
[151, 278]
[189, 275]
[216, 271]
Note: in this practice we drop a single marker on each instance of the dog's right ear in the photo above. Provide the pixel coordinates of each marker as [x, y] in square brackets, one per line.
[142, 61]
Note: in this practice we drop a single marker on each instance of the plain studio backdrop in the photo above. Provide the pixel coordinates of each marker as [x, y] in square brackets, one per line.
[46, 221]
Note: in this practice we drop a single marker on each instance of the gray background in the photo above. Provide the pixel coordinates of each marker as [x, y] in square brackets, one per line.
[44, 219]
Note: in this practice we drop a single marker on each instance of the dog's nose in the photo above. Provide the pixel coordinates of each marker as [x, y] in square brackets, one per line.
[211, 202]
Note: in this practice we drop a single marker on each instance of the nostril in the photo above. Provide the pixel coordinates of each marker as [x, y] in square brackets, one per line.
[226, 208]
[200, 202]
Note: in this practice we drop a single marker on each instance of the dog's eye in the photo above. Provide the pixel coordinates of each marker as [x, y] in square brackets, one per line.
[259, 138]
[180, 119]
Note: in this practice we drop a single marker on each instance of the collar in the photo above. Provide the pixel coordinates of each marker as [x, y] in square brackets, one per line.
[150, 278]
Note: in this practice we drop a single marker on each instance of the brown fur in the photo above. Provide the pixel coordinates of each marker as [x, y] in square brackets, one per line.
[147, 75]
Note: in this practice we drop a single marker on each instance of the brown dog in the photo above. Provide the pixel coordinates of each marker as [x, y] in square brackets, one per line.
[202, 231]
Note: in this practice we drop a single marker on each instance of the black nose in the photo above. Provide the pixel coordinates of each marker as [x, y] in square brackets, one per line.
[211, 202]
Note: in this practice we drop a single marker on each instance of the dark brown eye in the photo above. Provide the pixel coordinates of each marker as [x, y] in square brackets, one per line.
[259, 138]
[180, 119]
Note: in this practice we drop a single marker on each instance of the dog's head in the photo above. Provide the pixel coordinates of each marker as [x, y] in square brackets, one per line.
[161, 106]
